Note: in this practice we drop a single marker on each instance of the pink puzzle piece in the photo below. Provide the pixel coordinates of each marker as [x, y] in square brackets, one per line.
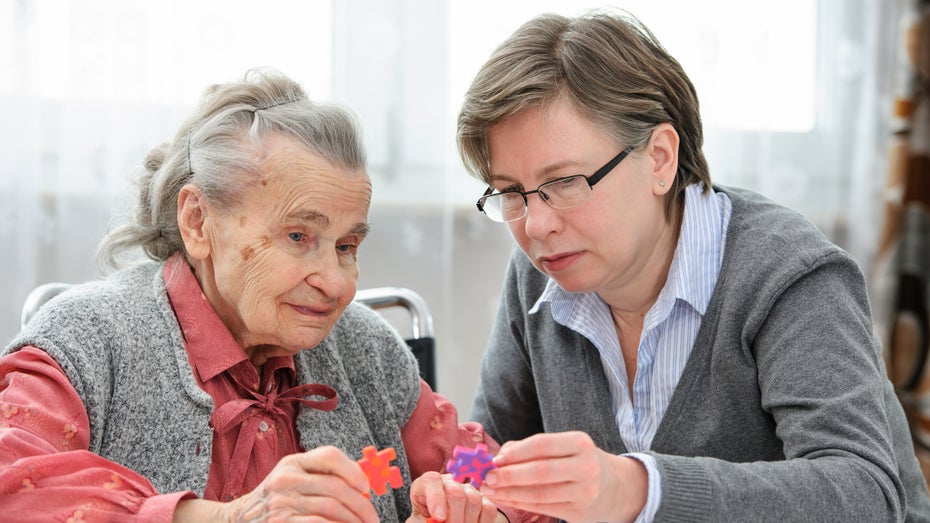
[470, 464]
[376, 465]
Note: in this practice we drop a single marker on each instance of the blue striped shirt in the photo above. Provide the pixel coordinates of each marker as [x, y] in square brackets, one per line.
[669, 329]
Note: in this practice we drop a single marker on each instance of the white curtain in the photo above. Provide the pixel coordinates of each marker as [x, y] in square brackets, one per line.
[89, 87]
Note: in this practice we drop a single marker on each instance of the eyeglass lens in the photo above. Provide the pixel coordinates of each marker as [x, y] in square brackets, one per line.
[563, 193]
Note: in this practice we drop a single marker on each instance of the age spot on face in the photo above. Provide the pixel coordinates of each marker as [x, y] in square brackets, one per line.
[247, 252]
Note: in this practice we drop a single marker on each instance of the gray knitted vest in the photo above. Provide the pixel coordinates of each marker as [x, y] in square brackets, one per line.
[120, 345]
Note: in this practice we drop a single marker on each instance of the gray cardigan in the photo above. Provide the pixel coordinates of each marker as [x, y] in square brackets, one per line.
[783, 412]
[120, 344]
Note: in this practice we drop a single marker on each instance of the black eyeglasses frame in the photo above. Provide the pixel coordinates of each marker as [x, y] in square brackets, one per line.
[592, 179]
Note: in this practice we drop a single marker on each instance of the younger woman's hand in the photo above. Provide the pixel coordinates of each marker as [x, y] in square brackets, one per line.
[565, 475]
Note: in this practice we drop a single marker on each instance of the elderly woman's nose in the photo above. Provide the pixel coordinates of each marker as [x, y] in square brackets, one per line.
[328, 277]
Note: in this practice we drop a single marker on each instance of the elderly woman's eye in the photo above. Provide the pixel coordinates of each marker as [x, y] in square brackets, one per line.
[296, 236]
[347, 247]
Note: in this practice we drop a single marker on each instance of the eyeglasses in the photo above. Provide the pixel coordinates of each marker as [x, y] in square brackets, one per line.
[561, 193]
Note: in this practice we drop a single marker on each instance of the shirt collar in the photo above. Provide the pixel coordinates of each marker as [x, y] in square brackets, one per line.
[211, 347]
[695, 263]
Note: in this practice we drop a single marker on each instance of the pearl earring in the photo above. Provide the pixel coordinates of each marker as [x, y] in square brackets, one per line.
[661, 183]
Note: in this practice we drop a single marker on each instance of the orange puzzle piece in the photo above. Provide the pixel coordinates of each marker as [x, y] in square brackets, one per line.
[377, 467]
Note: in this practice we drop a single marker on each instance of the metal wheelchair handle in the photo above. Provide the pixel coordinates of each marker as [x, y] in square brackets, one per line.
[381, 297]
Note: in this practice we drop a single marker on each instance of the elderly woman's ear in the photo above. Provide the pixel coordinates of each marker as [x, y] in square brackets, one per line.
[192, 222]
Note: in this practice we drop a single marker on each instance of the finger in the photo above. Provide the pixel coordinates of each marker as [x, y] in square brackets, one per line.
[537, 498]
[535, 494]
[541, 446]
[288, 479]
[268, 504]
[435, 495]
[539, 473]
[455, 499]
[325, 508]
[473, 503]
[330, 460]
[488, 511]
[341, 503]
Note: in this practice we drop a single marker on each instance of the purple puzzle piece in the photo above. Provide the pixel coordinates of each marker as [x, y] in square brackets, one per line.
[470, 464]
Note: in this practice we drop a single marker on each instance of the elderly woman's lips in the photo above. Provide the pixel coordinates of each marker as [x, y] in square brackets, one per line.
[311, 311]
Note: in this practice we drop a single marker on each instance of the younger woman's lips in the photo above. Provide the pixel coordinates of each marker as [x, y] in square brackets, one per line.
[559, 262]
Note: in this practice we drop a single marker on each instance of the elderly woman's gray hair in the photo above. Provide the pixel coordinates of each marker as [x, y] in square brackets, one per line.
[219, 149]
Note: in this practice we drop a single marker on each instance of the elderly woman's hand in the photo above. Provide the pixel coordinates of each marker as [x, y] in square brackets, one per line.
[441, 498]
[565, 475]
[322, 482]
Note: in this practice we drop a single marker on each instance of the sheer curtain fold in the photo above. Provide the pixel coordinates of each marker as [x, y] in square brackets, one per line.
[66, 175]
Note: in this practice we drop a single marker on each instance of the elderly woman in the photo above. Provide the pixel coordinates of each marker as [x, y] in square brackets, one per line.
[183, 389]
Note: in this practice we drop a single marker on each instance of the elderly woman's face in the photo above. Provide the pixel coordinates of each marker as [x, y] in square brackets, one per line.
[280, 267]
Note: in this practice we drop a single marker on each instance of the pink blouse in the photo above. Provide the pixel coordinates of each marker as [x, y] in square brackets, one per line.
[47, 472]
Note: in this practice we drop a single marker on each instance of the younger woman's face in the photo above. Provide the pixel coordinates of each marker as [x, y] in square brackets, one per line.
[604, 243]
